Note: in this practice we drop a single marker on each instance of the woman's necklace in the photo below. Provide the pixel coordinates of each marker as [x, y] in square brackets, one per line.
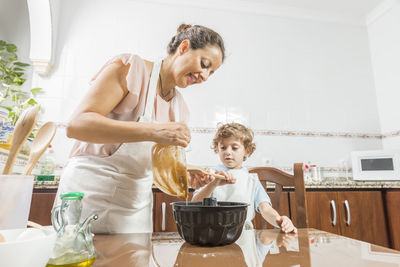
[165, 96]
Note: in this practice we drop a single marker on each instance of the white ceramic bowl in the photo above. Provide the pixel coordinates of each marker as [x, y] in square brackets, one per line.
[26, 247]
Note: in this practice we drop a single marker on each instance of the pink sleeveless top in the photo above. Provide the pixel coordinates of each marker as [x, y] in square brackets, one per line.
[132, 105]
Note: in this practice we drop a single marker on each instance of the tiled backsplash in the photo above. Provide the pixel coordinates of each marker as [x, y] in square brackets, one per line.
[307, 133]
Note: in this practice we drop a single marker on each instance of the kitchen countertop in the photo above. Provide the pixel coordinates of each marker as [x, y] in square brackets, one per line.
[338, 183]
[253, 248]
[329, 183]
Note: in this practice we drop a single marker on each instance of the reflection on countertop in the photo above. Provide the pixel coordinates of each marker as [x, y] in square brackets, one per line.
[309, 247]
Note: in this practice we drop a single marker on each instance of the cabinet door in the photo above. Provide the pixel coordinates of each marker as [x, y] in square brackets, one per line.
[363, 217]
[321, 211]
[41, 206]
[163, 218]
[260, 223]
[393, 214]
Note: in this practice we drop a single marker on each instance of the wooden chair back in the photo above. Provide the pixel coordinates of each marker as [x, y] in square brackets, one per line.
[281, 178]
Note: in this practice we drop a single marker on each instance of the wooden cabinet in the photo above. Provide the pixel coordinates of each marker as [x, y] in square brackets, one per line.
[260, 223]
[163, 217]
[356, 214]
[41, 206]
[364, 217]
[321, 207]
[393, 214]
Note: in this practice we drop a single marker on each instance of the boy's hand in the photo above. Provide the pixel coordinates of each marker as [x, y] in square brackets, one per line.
[198, 180]
[286, 224]
[282, 239]
[285, 239]
[267, 237]
[229, 179]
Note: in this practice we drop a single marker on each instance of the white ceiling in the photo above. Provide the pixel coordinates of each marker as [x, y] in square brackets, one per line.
[356, 8]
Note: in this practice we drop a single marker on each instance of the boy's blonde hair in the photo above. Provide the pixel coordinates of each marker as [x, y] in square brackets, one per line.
[238, 131]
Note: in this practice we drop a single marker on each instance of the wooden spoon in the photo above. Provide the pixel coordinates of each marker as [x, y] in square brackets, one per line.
[196, 169]
[22, 130]
[42, 140]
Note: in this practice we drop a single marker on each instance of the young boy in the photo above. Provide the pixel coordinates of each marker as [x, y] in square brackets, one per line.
[234, 143]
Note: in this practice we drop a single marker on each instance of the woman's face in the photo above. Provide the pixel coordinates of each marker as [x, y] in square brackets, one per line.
[195, 66]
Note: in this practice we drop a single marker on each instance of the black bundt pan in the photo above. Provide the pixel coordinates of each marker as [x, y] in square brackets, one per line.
[210, 224]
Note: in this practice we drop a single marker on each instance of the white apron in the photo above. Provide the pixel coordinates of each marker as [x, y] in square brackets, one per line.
[247, 242]
[119, 187]
[241, 191]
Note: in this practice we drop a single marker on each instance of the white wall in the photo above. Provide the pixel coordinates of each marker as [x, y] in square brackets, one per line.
[384, 38]
[280, 74]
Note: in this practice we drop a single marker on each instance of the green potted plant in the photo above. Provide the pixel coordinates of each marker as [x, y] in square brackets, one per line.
[12, 72]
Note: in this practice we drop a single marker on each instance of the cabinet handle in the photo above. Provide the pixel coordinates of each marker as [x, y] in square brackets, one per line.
[334, 212]
[163, 206]
[346, 205]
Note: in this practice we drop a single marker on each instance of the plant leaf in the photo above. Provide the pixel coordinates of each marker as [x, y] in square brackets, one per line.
[11, 48]
[31, 101]
[34, 91]
[7, 107]
[21, 64]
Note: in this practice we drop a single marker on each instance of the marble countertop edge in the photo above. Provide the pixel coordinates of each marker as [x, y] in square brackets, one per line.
[325, 184]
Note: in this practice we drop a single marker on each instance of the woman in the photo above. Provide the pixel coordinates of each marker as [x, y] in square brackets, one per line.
[131, 104]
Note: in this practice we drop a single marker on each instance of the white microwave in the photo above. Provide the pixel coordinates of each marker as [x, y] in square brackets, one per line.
[376, 165]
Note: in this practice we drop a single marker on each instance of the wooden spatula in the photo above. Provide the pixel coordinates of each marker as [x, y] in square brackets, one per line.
[194, 169]
[22, 130]
[42, 140]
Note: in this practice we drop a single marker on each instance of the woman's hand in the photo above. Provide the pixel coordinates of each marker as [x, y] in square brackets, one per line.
[172, 133]
[286, 224]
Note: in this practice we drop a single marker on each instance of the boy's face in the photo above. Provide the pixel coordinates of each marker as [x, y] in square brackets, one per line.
[231, 152]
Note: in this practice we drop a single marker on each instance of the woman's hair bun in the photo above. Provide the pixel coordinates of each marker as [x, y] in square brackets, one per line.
[183, 27]
[198, 36]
